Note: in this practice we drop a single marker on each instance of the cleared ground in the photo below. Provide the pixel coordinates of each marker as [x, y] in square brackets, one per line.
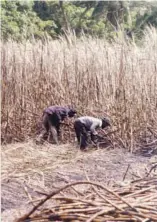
[27, 168]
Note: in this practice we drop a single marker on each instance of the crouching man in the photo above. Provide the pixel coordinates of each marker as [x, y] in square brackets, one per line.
[51, 121]
[86, 125]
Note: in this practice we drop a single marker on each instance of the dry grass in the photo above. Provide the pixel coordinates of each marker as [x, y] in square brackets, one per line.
[99, 78]
[31, 162]
[134, 202]
[28, 160]
[29, 170]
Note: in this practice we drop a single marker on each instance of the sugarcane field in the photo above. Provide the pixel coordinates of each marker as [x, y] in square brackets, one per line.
[78, 111]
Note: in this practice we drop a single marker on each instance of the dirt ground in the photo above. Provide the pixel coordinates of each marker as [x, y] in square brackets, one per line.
[27, 168]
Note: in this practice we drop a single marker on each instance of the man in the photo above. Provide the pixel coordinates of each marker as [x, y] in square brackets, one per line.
[87, 124]
[52, 119]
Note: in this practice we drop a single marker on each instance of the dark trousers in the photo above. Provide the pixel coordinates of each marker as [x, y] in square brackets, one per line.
[50, 127]
[81, 134]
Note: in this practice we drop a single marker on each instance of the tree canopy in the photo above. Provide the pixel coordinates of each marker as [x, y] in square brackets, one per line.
[26, 19]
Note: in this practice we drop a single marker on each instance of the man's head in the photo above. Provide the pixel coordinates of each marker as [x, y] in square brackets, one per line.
[105, 122]
[72, 112]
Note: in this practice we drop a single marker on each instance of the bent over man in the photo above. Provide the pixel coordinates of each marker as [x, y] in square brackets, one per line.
[87, 124]
[52, 119]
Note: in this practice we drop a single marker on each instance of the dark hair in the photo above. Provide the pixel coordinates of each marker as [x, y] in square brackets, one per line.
[105, 122]
[72, 112]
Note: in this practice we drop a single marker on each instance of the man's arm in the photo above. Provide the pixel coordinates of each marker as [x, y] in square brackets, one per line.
[59, 116]
[63, 115]
[93, 128]
[94, 133]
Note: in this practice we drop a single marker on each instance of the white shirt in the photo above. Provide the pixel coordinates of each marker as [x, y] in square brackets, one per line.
[91, 123]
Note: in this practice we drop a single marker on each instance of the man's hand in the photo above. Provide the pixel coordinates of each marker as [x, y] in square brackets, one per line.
[66, 121]
[94, 138]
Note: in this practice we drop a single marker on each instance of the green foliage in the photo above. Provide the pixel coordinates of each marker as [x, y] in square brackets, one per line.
[20, 22]
[26, 19]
